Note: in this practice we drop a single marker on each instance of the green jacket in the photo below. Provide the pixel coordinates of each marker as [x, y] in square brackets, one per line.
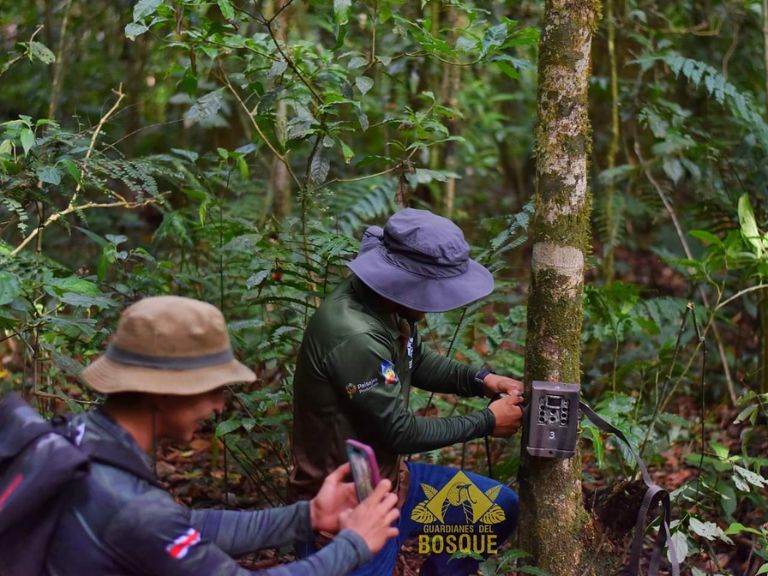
[353, 377]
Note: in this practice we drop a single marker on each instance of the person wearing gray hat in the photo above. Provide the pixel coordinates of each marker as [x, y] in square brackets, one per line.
[360, 355]
[163, 373]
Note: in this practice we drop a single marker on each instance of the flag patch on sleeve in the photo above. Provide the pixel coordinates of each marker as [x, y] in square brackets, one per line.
[387, 370]
[181, 545]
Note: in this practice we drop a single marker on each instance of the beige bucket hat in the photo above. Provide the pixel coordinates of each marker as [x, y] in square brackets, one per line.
[168, 345]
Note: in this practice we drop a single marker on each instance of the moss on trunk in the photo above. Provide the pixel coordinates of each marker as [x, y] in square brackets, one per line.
[553, 524]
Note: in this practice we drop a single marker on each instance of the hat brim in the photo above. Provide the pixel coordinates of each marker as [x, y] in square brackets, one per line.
[109, 377]
[419, 292]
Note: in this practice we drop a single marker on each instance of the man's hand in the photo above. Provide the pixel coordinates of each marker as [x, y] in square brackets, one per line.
[335, 496]
[509, 416]
[372, 519]
[494, 384]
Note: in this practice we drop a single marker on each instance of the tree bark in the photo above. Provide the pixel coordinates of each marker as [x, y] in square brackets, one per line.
[280, 181]
[553, 521]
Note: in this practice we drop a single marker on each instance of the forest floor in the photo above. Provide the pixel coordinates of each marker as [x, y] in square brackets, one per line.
[195, 475]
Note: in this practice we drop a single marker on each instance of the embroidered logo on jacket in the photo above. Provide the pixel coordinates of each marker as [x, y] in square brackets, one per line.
[363, 387]
[387, 370]
[179, 547]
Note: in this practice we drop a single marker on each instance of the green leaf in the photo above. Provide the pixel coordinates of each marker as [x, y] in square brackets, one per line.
[10, 288]
[705, 236]
[738, 528]
[750, 412]
[226, 9]
[720, 451]
[593, 434]
[508, 69]
[116, 239]
[66, 364]
[6, 148]
[27, 140]
[278, 67]
[145, 8]
[763, 569]
[728, 500]
[318, 170]
[256, 279]
[39, 51]
[134, 29]
[205, 107]
[71, 168]
[49, 175]
[188, 154]
[673, 169]
[347, 152]
[708, 530]
[228, 426]
[751, 477]
[679, 542]
[364, 83]
[357, 62]
[74, 285]
[84, 301]
[341, 11]
[749, 226]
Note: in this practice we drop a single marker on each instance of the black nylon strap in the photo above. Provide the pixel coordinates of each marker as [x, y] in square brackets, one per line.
[113, 454]
[109, 453]
[654, 495]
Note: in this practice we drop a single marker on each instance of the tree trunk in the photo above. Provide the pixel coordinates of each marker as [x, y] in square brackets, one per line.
[280, 181]
[450, 94]
[553, 521]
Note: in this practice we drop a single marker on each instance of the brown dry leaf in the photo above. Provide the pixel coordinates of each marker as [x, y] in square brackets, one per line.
[200, 444]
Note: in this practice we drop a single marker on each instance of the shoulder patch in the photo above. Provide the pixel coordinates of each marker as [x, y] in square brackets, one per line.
[387, 370]
[181, 545]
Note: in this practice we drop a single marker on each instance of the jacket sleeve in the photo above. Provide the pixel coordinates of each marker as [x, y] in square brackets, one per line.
[151, 537]
[436, 373]
[239, 532]
[362, 369]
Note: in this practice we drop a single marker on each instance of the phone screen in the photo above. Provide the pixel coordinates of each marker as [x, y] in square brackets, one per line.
[365, 470]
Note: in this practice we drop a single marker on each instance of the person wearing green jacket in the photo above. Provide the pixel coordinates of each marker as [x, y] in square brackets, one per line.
[362, 352]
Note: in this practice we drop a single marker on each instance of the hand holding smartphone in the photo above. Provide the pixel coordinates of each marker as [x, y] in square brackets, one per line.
[365, 469]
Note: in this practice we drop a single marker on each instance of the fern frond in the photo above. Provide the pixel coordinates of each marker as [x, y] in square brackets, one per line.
[740, 105]
[358, 203]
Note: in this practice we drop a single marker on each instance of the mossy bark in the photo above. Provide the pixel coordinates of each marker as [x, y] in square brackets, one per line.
[553, 522]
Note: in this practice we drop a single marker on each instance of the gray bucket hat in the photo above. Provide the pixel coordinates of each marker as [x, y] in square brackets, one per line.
[421, 260]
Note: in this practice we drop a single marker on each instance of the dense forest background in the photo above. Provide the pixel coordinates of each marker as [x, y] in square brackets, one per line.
[234, 151]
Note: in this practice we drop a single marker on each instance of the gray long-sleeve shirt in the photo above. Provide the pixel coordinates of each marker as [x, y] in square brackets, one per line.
[117, 524]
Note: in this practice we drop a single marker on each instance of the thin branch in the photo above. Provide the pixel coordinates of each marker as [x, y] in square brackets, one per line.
[279, 11]
[70, 209]
[288, 60]
[739, 295]
[256, 127]
[59, 64]
[15, 59]
[71, 206]
[684, 242]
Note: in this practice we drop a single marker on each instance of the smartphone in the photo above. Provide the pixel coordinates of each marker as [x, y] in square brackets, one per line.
[365, 469]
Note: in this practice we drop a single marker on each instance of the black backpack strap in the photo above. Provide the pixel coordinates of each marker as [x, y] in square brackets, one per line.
[109, 453]
[654, 495]
[118, 456]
